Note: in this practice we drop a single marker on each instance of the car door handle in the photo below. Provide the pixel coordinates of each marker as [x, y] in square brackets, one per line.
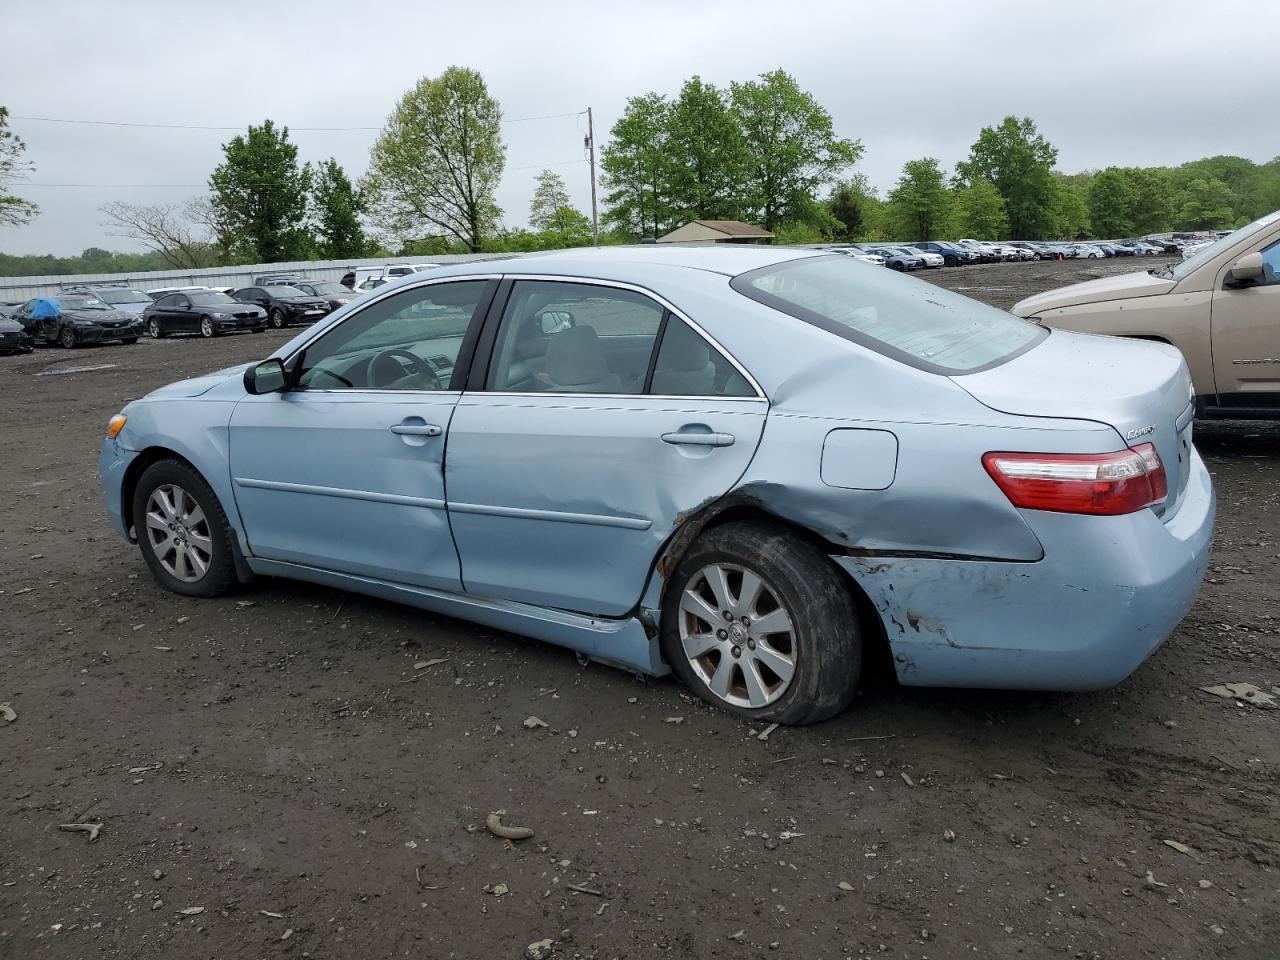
[689, 438]
[417, 429]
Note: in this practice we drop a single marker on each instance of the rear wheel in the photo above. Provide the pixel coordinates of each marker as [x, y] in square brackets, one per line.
[182, 531]
[759, 622]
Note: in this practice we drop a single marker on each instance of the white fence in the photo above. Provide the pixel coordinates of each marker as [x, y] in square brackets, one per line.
[24, 288]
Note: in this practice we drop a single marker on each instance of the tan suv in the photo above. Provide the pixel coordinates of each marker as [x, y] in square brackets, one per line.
[1220, 307]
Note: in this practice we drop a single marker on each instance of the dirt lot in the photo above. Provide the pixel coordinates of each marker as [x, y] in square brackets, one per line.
[264, 757]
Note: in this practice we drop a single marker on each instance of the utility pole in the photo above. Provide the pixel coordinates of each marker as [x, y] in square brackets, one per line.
[595, 216]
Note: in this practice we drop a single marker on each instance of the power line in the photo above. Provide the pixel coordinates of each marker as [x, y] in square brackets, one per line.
[196, 126]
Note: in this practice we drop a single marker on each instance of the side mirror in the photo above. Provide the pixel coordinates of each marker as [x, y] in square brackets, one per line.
[1244, 271]
[267, 377]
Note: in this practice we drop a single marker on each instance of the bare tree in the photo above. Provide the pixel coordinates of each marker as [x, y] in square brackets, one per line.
[178, 232]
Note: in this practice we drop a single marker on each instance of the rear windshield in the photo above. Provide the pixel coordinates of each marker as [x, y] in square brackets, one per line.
[903, 318]
[123, 296]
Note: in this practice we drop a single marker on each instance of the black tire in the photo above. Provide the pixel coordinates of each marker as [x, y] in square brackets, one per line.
[897, 266]
[259, 329]
[129, 341]
[951, 262]
[67, 338]
[221, 573]
[208, 328]
[825, 641]
[156, 328]
[277, 318]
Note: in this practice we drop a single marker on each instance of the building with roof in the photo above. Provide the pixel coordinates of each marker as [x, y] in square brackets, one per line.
[717, 231]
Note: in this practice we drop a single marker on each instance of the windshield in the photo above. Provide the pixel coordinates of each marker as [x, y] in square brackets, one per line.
[327, 287]
[124, 296]
[81, 301]
[1210, 250]
[910, 321]
[211, 299]
[280, 290]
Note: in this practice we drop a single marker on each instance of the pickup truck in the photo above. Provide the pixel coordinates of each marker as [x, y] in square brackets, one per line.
[1220, 307]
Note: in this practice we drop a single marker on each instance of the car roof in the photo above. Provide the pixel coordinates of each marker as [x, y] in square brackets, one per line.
[727, 259]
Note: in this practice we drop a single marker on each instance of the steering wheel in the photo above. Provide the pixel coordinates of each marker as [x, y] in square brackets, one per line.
[395, 365]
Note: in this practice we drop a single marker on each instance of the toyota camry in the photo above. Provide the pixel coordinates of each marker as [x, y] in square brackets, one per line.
[746, 466]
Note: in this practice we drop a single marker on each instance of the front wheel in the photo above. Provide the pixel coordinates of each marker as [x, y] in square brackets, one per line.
[182, 531]
[897, 266]
[154, 328]
[67, 337]
[277, 318]
[759, 622]
[207, 329]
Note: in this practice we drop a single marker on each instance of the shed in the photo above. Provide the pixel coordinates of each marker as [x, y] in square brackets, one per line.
[717, 231]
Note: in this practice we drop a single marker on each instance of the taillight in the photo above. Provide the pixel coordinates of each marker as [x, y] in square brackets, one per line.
[1102, 484]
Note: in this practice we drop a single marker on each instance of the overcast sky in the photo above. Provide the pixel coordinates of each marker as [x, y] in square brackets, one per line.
[1107, 82]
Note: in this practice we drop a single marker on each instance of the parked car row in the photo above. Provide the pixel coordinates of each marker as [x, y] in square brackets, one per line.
[928, 254]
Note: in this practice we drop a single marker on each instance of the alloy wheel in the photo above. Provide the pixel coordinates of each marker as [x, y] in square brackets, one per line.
[277, 319]
[67, 337]
[206, 327]
[178, 533]
[737, 636]
[153, 328]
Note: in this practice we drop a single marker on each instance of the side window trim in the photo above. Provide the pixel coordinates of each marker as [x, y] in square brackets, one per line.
[647, 389]
[479, 371]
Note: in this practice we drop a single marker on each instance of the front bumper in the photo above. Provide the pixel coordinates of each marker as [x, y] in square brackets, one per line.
[233, 324]
[113, 463]
[1107, 593]
[19, 341]
[87, 333]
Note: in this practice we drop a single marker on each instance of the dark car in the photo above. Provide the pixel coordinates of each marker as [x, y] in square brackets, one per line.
[206, 312]
[896, 259]
[14, 337]
[74, 319]
[335, 293]
[285, 305]
[952, 255]
[119, 295]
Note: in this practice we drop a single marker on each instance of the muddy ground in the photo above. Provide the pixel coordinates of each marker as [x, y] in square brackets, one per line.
[274, 759]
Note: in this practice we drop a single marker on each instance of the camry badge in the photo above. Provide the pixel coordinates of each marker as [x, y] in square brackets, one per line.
[1137, 432]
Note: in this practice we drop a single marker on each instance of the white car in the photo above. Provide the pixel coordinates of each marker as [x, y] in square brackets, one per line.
[159, 292]
[930, 259]
[988, 251]
[1191, 249]
[1017, 253]
[860, 255]
[1086, 252]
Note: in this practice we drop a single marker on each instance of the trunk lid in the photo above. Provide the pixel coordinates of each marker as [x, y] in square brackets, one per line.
[1140, 389]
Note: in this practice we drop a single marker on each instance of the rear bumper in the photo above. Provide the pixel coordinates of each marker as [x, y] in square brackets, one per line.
[1108, 592]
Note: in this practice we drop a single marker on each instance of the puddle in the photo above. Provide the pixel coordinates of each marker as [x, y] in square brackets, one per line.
[63, 371]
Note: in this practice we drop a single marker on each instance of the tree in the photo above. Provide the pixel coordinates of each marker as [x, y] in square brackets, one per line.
[14, 211]
[919, 204]
[436, 166]
[337, 206]
[707, 154]
[1151, 191]
[792, 149]
[166, 229]
[260, 197]
[1111, 202]
[553, 214]
[854, 205]
[1206, 205]
[636, 169]
[978, 211]
[1068, 210]
[1019, 162]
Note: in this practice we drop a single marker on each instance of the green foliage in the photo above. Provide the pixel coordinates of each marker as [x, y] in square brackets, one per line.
[13, 209]
[636, 170]
[92, 260]
[1110, 201]
[855, 207]
[337, 207]
[792, 148]
[1151, 198]
[707, 155]
[260, 197]
[978, 211]
[919, 206]
[555, 221]
[1019, 162]
[436, 166]
[1206, 205]
[1068, 208]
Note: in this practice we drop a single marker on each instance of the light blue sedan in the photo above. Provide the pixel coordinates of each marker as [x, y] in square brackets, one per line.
[749, 466]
